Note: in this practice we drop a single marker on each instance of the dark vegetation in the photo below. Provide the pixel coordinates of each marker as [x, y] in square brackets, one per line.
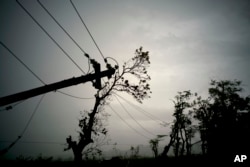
[193, 160]
[221, 120]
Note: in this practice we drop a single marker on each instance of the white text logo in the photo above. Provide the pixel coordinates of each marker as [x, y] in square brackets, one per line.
[240, 158]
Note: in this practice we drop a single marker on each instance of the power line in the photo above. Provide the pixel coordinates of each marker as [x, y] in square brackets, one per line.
[136, 131]
[35, 75]
[113, 60]
[32, 115]
[149, 115]
[196, 142]
[133, 117]
[85, 54]
[4, 151]
[105, 60]
[10, 107]
[76, 97]
[117, 64]
[18, 59]
[50, 36]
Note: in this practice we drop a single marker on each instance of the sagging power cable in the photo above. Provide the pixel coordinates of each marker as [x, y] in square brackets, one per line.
[136, 131]
[49, 13]
[46, 32]
[4, 151]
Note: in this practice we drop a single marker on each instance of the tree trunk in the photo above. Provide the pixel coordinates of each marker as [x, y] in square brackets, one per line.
[77, 156]
[182, 144]
[85, 139]
[165, 151]
[177, 147]
[167, 147]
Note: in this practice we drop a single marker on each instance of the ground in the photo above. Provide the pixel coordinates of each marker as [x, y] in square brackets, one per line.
[120, 162]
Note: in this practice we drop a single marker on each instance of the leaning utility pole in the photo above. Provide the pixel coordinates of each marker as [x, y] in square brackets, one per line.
[59, 85]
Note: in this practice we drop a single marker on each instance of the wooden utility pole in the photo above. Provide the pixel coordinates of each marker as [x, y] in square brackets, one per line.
[59, 85]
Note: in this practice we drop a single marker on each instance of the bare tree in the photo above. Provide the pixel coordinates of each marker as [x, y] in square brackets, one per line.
[132, 79]
[182, 130]
[154, 143]
[203, 113]
[134, 152]
[154, 146]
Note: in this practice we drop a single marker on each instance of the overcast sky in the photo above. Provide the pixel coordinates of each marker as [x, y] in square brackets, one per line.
[190, 42]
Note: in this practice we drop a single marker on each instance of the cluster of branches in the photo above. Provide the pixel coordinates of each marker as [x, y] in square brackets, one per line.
[135, 70]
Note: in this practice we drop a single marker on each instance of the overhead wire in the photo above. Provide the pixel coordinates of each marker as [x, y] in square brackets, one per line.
[133, 117]
[10, 107]
[199, 141]
[149, 115]
[98, 48]
[4, 151]
[49, 13]
[117, 64]
[20, 61]
[136, 131]
[105, 60]
[35, 75]
[76, 97]
[46, 32]
[113, 60]
[32, 115]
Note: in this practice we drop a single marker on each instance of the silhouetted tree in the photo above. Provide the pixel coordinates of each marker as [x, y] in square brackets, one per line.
[134, 152]
[154, 144]
[99, 134]
[182, 130]
[203, 113]
[132, 79]
[224, 120]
